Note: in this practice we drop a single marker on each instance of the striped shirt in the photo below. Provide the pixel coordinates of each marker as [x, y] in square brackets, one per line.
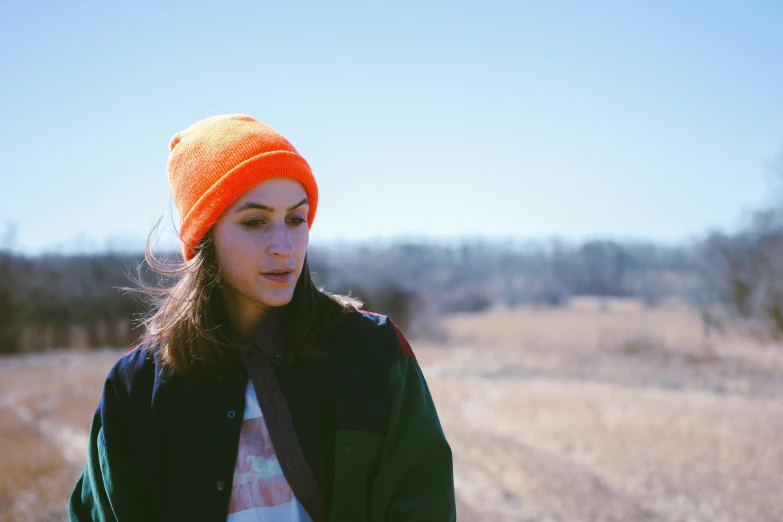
[260, 492]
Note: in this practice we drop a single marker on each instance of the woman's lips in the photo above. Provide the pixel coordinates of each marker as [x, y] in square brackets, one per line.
[279, 278]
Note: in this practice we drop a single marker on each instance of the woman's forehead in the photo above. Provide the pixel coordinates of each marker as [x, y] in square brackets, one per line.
[275, 192]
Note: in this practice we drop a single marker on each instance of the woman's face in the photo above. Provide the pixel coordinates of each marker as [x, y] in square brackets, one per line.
[264, 230]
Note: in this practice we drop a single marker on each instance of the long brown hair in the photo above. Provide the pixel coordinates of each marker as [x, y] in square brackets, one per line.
[188, 317]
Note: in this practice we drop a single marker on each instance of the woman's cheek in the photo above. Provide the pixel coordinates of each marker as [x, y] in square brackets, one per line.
[302, 237]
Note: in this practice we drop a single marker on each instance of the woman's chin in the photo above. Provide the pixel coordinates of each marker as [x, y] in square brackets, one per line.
[278, 298]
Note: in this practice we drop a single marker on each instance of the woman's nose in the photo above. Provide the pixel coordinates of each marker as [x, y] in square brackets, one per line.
[281, 244]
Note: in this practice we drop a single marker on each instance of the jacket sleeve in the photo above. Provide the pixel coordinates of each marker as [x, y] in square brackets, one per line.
[112, 484]
[415, 480]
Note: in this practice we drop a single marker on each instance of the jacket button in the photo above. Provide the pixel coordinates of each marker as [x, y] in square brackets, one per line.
[276, 357]
[220, 486]
[231, 414]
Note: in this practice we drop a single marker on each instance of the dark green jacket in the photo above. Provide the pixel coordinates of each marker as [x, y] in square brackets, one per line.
[356, 433]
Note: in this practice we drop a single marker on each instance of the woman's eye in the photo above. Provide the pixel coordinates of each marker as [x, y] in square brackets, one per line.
[255, 223]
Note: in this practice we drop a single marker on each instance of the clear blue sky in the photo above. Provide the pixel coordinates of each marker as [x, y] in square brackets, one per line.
[650, 120]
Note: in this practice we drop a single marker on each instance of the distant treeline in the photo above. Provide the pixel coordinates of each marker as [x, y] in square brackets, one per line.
[60, 301]
[474, 275]
[55, 301]
[743, 273]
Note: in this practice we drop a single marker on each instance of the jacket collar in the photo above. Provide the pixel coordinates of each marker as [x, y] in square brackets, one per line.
[265, 336]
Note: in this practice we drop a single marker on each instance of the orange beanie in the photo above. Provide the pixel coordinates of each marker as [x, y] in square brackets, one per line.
[216, 160]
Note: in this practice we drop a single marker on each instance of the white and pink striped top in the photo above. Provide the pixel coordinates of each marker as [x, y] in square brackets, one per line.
[260, 492]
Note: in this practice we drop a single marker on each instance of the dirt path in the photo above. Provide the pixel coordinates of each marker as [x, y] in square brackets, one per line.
[69, 441]
[46, 403]
[56, 393]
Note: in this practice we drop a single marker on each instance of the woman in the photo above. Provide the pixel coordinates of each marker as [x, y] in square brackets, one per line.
[255, 395]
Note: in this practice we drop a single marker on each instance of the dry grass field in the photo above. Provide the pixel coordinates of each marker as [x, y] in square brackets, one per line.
[597, 412]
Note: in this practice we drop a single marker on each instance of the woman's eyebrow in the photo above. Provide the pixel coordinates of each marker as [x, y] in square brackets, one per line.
[251, 204]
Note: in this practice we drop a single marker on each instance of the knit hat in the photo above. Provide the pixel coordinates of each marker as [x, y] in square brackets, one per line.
[216, 160]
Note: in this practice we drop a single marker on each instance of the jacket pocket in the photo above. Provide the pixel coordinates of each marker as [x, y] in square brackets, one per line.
[355, 454]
